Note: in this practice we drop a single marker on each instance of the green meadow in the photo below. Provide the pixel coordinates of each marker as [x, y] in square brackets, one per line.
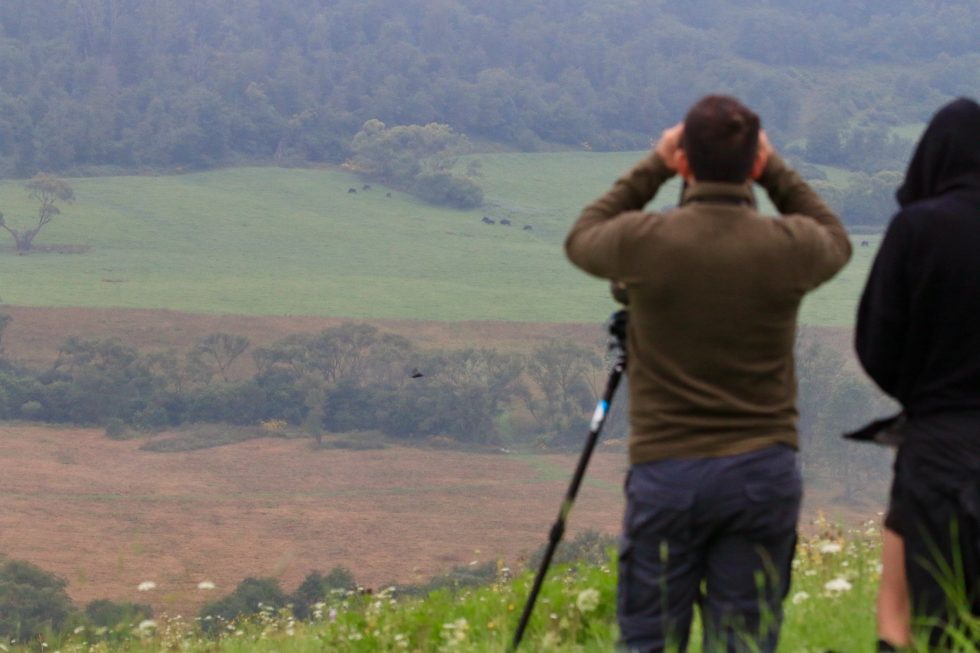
[274, 241]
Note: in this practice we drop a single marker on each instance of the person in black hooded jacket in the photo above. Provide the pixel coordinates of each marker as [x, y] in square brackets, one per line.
[918, 337]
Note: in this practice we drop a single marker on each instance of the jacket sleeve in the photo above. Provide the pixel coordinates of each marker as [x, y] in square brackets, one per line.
[883, 314]
[828, 247]
[597, 241]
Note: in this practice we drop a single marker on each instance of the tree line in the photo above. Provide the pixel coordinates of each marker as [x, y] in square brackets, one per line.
[355, 378]
[113, 85]
[347, 378]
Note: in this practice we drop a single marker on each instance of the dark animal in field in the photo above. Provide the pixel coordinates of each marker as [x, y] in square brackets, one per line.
[487, 220]
[505, 221]
[366, 187]
[865, 243]
[387, 194]
[351, 190]
[528, 227]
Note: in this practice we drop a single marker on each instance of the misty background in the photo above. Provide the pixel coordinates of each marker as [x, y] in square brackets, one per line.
[310, 251]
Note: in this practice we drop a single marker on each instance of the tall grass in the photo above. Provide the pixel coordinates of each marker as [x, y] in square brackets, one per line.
[273, 241]
[830, 607]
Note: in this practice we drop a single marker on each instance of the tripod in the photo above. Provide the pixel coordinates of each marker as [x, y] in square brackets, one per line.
[617, 343]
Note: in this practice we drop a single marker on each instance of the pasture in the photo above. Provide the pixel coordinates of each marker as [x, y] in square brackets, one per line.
[273, 241]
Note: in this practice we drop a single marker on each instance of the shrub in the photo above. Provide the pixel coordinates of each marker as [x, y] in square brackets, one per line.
[248, 598]
[445, 189]
[590, 547]
[32, 601]
[110, 614]
[315, 588]
[115, 429]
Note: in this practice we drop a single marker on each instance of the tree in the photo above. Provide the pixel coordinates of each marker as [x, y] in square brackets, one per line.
[418, 158]
[4, 322]
[48, 190]
[32, 601]
[215, 353]
[562, 370]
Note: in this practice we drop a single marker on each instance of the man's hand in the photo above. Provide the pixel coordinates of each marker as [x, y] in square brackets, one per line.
[669, 143]
[762, 155]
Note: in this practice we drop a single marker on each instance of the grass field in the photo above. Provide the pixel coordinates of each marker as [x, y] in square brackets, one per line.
[271, 241]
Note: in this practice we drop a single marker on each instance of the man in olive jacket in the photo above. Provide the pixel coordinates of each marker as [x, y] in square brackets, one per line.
[713, 492]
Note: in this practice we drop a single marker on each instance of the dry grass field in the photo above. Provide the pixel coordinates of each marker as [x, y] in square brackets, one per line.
[107, 516]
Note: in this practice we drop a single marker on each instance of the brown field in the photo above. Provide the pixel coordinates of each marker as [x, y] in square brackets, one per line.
[34, 334]
[106, 515]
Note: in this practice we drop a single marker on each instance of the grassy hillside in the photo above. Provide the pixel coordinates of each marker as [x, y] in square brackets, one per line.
[828, 609]
[272, 241]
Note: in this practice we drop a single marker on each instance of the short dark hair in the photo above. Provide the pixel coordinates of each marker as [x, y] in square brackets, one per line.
[721, 137]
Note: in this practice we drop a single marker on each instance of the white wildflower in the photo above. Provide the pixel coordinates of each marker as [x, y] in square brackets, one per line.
[146, 626]
[146, 586]
[830, 547]
[205, 585]
[799, 597]
[838, 585]
[588, 600]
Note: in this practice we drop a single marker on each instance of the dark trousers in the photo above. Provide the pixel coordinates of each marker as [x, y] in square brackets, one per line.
[940, 516]
[717, 532]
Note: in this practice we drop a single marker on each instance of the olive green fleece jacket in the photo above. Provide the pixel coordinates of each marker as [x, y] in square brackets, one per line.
[714, 290]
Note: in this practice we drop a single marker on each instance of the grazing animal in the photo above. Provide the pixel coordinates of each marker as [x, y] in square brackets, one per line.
[487, 220]
[366, 187]
[528, 227]
[864, 243]
[351, 190]
[387, 194]
[505, 221]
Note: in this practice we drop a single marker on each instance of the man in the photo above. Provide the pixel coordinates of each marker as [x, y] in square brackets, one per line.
[713, 492]
[918, 337]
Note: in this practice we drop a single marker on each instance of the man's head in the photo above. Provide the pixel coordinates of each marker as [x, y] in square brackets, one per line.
[720, 141]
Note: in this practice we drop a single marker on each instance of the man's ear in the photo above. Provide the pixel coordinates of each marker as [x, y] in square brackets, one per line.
[682, 165]
[759, 165]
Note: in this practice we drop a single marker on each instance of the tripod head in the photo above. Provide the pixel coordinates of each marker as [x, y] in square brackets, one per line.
[617, 331]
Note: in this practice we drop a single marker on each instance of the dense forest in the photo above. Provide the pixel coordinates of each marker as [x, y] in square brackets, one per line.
[89, 86]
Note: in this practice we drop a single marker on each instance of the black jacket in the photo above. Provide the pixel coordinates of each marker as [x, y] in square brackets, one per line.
[918, 326]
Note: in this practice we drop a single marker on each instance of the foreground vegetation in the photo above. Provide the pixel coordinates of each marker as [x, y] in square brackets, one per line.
[829, 607]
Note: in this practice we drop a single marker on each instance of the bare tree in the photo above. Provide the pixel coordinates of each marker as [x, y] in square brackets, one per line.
[48, 190]
[215, 353]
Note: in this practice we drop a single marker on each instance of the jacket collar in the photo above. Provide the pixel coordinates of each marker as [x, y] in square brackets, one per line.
[717, 192]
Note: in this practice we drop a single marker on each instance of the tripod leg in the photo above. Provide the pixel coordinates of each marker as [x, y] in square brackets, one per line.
[558, 529]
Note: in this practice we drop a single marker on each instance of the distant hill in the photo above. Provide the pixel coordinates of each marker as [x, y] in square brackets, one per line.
[104, 86]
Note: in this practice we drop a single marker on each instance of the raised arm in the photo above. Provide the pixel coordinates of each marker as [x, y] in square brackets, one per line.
[829, 247]
[596, 240]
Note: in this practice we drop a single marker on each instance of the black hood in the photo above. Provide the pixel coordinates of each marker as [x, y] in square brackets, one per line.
[948, 154]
